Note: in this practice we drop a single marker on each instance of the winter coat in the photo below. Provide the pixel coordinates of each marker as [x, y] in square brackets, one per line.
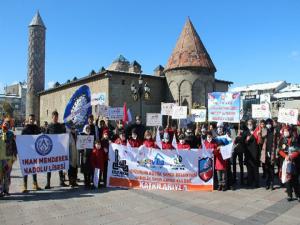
[56, 128]
[251, 147]
[220, 163]
[184, 146]
[167, 145]
[97, 159]
[135, 143]
[120, 142]
[31, 129]
[150, 144]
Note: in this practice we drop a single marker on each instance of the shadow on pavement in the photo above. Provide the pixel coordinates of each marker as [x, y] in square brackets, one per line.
[56, 194]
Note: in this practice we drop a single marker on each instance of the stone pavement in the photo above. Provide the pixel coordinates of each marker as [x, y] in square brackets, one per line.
[119, 206]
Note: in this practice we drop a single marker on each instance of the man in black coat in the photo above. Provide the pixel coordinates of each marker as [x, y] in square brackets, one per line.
[56, 128]
[31, 129]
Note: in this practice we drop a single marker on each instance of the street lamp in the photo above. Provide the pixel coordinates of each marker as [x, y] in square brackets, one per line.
[141, 92]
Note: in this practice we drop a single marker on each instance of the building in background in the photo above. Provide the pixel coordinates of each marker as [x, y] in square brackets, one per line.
[15, 96]
[186, 80]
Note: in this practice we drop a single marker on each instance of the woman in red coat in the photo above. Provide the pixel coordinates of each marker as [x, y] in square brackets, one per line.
[148, 140]
[98, 157]
[220, 163]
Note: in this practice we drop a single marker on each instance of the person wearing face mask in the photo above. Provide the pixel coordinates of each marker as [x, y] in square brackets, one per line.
[134, 141]
[148, 140]
[262, 135]
[166, 144]
[268, 153]
[121, 140]
[73, 156]
[31, 129]
[56, 128]
[182, 145]
[251, 154]
[86, 167]
[138, 127]
[289, 150]
[220, 164]
[119, 129]
[190, 138]
[103, 128]
[8, 154]
[97, 160]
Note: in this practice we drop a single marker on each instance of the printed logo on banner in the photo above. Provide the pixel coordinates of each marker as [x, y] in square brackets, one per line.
[205, 169]
[43, 145]
[119, 167]
[158, 160]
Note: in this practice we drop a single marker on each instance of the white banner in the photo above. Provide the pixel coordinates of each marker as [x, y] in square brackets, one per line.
[98, 99]
[289, 116]
[156, 169]
[167, 108]
[115, 113]
[261, 111]
[43, 153]
[226, 151]
[199, 115]
[179, 112]
[85, 141]
[153, 119]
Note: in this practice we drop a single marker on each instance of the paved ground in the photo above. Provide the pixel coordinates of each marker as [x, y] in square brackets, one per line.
[116, 206]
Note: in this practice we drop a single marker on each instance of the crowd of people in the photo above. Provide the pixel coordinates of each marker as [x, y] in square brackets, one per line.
[266, 145]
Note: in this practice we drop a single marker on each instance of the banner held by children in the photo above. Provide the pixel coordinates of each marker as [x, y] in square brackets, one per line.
[153, 119]
[160, 170]
[224, 107]
[85, 141]
[43, 153]
[288, 116]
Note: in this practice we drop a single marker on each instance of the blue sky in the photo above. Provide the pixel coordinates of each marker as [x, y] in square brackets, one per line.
[248, 41]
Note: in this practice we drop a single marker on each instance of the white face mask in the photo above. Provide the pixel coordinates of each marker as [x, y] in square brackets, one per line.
[220, 130]
[134, 137]
[166, 140]
[181, 141]
[269, 126]
[209, 139]
[250, 127]
[286, 134]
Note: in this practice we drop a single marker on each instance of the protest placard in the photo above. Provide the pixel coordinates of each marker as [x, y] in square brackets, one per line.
[288, 116]
[153, 119]
[167, 108]
[102, 110]
[224, 107]
[226, 151]
[85, 141]
[199, 115]
[115, 113]
[261, 111]
[179, 112]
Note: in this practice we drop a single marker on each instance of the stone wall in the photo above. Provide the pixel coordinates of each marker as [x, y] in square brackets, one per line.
[188, 86]
[59, 97]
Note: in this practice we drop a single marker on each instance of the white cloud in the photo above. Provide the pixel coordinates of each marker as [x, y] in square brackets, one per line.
[295, 55]
[50, 84]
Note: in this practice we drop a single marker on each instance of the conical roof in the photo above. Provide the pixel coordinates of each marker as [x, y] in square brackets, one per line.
[37, 20]
[189, 51]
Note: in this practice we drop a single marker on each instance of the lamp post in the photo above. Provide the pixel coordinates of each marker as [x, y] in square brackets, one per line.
[141, 92]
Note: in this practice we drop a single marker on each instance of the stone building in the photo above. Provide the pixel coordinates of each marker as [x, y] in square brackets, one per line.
[15, 95]
[188, 77]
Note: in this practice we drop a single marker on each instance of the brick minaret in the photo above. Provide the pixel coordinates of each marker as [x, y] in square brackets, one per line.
[36, 65]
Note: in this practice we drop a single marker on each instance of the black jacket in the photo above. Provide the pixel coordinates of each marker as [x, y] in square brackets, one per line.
[56, 128]
[31, 130]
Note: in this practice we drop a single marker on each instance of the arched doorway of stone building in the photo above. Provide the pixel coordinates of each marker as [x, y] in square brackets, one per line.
[184, 102]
